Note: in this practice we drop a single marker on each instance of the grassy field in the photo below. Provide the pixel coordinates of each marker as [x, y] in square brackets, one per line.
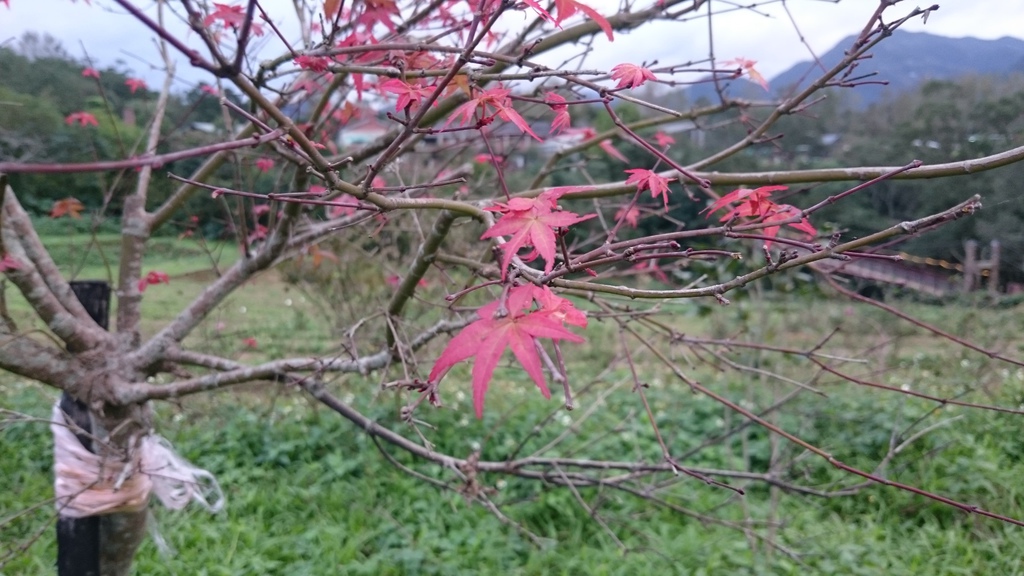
[309, 494]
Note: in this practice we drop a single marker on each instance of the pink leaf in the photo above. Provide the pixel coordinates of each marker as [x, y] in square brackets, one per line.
[487, 338]
[153, 278]
[135, 84]
[649, 180]
[90, 73]
[610, 149]
[748, 67]
[561, 110]
[313, 63]
[752, 201]
[628, 214]
[81, 118]
[530, 222]
[631, 75]
[540, 10]
[264, 164]
[567, 8]
[492, 102]
[231, 17]
[409, 95]
[9, 263]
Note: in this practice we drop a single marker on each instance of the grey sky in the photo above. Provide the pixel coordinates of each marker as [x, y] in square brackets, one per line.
[766, 36]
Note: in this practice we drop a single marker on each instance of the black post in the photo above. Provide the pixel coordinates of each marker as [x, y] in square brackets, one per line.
[78, 539]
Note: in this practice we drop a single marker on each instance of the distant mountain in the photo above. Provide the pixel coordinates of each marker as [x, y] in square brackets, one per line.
[904, 61]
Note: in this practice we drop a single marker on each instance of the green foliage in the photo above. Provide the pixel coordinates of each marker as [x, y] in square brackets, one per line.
[41, 84]
[310, 494]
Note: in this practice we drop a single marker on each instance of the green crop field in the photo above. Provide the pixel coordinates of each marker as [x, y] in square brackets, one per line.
[308, 493]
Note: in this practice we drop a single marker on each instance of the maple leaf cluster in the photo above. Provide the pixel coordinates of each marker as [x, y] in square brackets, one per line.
[566, 9]
[747, 67]
[629, 214]
[757, 204]
[264, 164]
[631, 75]
[313, 63]
[561, 110]
[230, 17]
[532, 222]
[609, 148]
[511, 322]
[81, 118]
[152, 278]
[69, 206]
[496, 98]
[649, 180]
[134, 84]
[409, 95]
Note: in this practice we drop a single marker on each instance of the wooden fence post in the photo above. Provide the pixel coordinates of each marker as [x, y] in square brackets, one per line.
[970, 265]
[78, 539]
[993, 268]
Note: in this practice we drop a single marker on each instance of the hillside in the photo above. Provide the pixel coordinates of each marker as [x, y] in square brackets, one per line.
[904, 61]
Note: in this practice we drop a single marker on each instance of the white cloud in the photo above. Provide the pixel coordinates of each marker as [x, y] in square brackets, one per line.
[765, 34]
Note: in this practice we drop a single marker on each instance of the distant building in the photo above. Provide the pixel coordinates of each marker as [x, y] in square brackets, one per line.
[363, 130]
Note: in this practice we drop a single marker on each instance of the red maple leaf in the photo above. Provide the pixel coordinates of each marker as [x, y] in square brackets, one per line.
[663, 139]
[561, 308]
[757, 203]
[754, 202]
[612, 151]
[313, 63]
[9, 263]
[347, 112]
[531, 222]
[497, 99]
[135, 84]
[318, 255]
[69, 206]
[651, 267]
[567, 9]
[561, 110]
[785, 212]
[81, 118]
[153, 278]
[540, 10]
[344, 205]
[331, 8]
[91, 73]
[631, 75]
[518, 328]
[232, 17]
[378, 12]
[409, 95]
[748, 67]
[264, 164]
[649, 180]
[488, 159]
[207, 89]
[395, 280]
[630, 214]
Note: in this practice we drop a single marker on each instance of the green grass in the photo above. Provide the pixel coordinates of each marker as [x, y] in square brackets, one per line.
[95, 256]
[309, 494]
